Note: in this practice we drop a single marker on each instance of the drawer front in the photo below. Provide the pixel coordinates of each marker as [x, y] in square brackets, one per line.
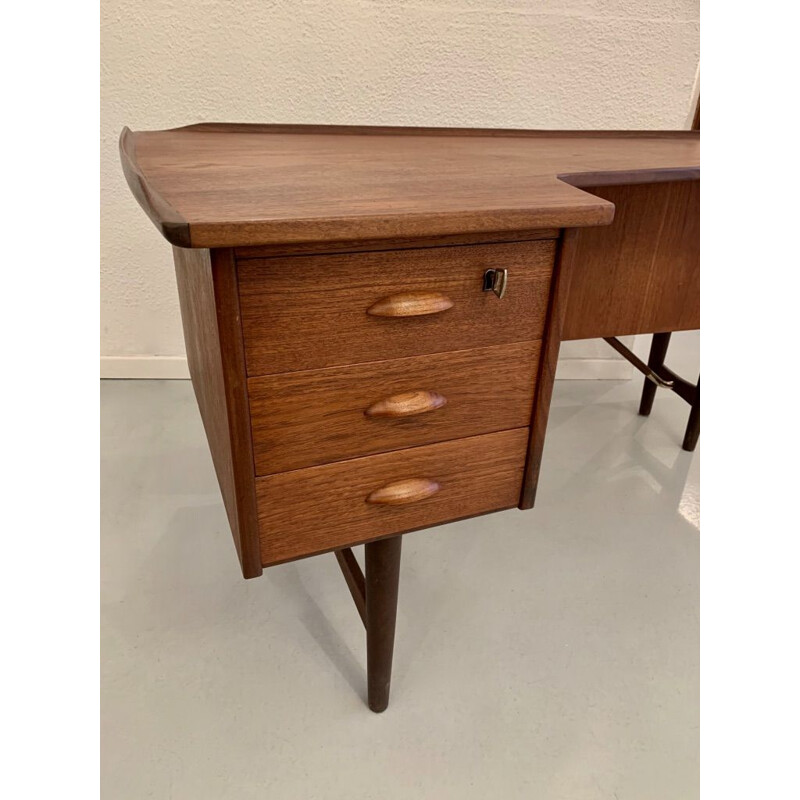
[308, 312]
[337, 505]
[301, 419]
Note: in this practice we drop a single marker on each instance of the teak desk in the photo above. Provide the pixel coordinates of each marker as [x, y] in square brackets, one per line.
[373, 316]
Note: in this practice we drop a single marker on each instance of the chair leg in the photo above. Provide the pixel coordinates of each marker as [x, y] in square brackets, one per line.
[658, 354]
[693, 426]
[382, 562]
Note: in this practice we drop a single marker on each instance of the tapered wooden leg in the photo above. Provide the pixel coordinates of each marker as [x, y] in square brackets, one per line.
[382, 561]
[693, 426]
[658, 353]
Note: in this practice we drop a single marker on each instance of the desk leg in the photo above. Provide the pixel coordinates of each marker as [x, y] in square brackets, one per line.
[382, 560]
[658, 354]
[693, 426]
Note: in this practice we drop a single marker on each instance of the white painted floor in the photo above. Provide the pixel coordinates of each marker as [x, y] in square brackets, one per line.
[549, 654]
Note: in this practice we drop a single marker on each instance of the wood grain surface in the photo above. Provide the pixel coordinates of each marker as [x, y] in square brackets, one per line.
[406, 404]
[214, 349]
[357, 245]
[410, 304]
[307, 312]
[565, 268]
[323, 508]
[401, 493]
[641, 274]
[313, 417]
[218, 186]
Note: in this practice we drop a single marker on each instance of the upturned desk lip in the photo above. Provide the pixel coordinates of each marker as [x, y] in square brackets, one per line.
[582, 209]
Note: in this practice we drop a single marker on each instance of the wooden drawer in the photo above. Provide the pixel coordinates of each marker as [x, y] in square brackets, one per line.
[307, 312]
[322, 508]
[301, 419]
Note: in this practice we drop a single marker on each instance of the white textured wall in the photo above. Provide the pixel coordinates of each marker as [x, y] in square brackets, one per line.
[478, 63]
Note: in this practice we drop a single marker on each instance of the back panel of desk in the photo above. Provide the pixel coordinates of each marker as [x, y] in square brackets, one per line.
[641, 274]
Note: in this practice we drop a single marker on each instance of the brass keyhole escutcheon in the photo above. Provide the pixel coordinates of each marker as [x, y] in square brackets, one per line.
[495, 280]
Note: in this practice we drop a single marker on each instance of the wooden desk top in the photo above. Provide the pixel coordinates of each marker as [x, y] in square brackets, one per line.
[220, 185]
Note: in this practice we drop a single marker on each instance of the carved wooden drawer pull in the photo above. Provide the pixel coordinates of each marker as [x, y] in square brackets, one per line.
[399, 493]
[410, 304]
[406, 404]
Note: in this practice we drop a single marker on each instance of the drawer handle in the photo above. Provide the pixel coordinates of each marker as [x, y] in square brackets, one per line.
[399, 493]
[410, 304]
[406, 404]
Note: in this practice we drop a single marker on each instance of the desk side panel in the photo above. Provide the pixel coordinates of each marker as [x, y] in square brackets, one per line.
[641, 274]
[559, 292]
[209, 300]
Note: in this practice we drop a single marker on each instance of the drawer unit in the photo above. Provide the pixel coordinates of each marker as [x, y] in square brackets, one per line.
[308, 312]
[300, 419]
[320, 508]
